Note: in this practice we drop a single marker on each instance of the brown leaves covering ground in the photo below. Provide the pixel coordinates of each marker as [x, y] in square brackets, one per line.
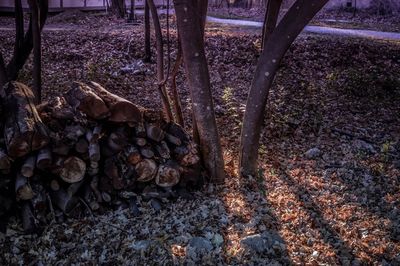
[337, 94]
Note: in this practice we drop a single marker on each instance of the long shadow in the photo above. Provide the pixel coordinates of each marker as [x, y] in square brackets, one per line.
[329, 235]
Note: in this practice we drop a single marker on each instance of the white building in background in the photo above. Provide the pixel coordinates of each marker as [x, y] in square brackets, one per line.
[58, 5]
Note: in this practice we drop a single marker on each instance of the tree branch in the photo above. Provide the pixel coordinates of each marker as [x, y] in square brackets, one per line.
[270, 19]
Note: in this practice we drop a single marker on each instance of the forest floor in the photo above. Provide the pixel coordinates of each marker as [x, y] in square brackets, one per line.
[330, 18]
[328, 188]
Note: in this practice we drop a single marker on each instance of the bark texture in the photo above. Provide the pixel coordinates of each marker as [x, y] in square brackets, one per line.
[196, 68]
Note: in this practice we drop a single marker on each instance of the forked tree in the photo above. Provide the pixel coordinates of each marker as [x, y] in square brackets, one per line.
[275, 44]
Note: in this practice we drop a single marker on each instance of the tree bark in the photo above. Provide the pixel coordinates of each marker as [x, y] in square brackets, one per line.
[200, 88]
[276, 46]
[160, 59]
[3, 75]
[37, 53]
[270, 20]
[147, 49]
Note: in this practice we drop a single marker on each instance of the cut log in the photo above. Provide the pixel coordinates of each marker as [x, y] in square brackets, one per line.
[122, 110]
[117, 141]
[146, 170]
[132, 155]
[23, 189]
[73, 133]
[163, 150]
[178, 132]
[28, 168]
[73, 170]
[60, 148]
[60, 109]
[154, 132]
[147, 152]
[168, 174]
[54, 185]
[81, 96]
[73, 189]
[39, 202]
[24, 131]
[44, 159]
[111, 171]
[140, 141]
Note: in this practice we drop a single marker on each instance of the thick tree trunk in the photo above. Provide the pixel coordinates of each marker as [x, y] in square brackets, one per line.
[37, 53]
[160, 60]
[270, 19]
[118, 7]
[147, 49]
[200, 88]
[276, 46]
[3, 74]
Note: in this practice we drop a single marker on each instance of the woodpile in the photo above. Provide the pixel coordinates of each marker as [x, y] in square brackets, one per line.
[87, 151]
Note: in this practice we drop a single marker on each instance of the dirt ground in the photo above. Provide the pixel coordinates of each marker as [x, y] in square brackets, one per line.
[328, 188]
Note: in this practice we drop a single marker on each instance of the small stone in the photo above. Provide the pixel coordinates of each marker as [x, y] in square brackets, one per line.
[254, 243]
[200, 245]
[313, 153]
[141, 245]
[217, 240]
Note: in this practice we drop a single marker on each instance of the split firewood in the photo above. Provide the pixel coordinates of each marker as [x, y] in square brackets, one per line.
[147, 152]
[168, 174]
[81, 97]
[28, 168]
[146, 170]
[23, 189]
[81, 146]
[61, 109]
[73, 170]
[74, 132]
[163, 150]
[132, 155]
[140, 141]
[44, 159]
[24, 131]
[63, 200]
[5, 161]
[121, 109]
[154, 133]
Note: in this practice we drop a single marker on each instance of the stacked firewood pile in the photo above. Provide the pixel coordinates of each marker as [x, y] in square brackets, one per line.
[87, 151]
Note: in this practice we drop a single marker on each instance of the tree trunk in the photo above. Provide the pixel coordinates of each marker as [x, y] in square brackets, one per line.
[160, 59]
[118, 7]
[3, 74]
[270, 20]
[200, 88]
[147, 49]
[37, 53]
[276, 46]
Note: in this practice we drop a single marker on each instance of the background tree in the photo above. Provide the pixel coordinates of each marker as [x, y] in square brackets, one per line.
[24, 43]
[275, 46]
[118, 8]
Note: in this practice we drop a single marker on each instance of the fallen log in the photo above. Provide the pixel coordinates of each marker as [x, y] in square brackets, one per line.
[24, 131]
[81, 97]
[121, 110]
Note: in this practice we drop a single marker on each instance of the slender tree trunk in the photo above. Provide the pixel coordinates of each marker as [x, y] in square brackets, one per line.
[19, 58]
[200, 88]
[270, 19]
[147, 49]
[177, 101]
[37, 53]
[160, 59]
[276, 46]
